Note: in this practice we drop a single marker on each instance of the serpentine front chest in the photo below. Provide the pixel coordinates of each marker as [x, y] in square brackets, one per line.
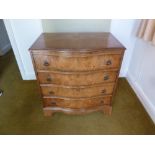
[77, 72]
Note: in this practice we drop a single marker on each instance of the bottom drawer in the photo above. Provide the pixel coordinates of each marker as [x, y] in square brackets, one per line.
[77, 103]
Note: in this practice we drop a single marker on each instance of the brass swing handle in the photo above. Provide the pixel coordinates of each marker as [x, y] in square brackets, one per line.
[103, 91]
[49, 79]
[46, 63]
[106, 77]
[51, 92]
[101, 102]
[109, 62]
[53, 103]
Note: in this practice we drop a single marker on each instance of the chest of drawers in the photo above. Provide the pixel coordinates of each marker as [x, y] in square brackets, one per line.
[77, 72]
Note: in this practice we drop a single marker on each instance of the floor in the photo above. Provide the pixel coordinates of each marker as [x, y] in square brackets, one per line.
[21, 110]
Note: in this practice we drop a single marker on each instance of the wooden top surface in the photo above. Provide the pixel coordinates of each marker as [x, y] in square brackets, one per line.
[76, 41]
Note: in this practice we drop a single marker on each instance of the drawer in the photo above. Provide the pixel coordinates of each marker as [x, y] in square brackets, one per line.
[76, 78]
[81, 91]
[77, 63]
[77, 103]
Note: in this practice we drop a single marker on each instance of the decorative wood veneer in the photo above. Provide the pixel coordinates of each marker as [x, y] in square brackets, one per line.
[76, 78]
[77, 103]
[80, 91]
[78, 63]
[77, 72]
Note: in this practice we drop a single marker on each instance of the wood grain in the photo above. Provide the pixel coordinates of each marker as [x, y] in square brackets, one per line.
[76, 103]
[87, 63]
[76, 41]
[106, 109]
[80, 91]
[76, 78]
[77, 72]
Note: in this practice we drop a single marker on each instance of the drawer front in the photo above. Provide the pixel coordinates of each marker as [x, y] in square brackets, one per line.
[76, 103]
[76, 79]
[81, 63]
[82, 91]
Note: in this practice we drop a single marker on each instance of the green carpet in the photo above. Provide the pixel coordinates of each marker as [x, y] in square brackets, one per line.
[21, 110]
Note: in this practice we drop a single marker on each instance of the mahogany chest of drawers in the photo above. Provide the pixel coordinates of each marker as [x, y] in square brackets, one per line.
[77, 72]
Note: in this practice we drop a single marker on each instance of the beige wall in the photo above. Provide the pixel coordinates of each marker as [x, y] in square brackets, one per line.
[76, 25]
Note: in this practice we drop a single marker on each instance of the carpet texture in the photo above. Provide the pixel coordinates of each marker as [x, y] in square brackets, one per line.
[21, 110]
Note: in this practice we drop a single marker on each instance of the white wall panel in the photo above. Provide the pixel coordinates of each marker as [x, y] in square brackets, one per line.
[124, 31]
[22, 34]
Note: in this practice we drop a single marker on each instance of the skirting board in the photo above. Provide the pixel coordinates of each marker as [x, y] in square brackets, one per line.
[29, 76]
[148, 105]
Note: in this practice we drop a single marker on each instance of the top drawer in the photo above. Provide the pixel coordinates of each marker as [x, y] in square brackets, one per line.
[77, 63]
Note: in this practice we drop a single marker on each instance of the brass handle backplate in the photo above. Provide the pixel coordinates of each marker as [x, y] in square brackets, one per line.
[53, 103]
[102, 102]
[46, 63]
[103, 91]
[106, 77]
[51, 92]
[108, 62]
[49, 79]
